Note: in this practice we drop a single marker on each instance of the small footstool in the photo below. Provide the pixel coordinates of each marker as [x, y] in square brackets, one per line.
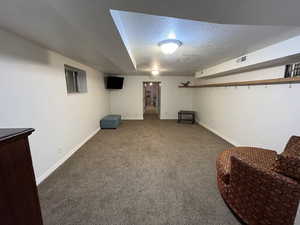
[110, 122]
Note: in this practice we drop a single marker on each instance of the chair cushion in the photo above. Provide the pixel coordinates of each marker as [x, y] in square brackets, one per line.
[260, 157]
[112, 117]
[288, 162]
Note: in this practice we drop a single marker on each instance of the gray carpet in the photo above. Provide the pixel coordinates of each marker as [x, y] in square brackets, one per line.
[143, 173]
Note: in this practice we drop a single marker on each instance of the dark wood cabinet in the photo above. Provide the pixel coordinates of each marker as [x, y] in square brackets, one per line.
[19, 202]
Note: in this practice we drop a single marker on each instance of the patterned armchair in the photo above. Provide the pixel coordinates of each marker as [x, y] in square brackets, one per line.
[261, 187]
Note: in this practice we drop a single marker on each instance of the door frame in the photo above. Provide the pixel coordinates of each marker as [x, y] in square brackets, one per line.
[158, 106]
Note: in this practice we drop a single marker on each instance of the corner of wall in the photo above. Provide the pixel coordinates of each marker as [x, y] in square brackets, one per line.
[48, 172]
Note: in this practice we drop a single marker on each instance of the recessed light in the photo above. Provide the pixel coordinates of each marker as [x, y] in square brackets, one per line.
[169, 46]
[154, 72]
[150, 83]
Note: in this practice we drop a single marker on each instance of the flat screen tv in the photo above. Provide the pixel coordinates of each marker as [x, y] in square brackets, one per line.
[114, 82]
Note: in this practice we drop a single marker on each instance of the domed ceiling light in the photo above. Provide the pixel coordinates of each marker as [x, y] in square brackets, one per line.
[169, 46]
[155, 72]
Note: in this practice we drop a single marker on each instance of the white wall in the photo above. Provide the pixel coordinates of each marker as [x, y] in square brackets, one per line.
[264, 116]
[129, 101]
[287, 50]
[33, 94]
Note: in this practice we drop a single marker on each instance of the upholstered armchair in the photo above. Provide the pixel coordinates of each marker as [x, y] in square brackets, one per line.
[261, 187]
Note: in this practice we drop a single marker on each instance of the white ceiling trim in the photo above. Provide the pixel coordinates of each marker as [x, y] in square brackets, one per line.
[122, 31]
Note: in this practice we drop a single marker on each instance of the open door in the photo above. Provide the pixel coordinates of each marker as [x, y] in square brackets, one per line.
[151, 99]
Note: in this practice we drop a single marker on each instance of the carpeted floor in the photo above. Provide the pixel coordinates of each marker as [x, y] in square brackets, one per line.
[147, 172]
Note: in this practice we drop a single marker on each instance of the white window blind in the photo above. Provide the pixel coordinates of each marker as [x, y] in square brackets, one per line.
[75, 80]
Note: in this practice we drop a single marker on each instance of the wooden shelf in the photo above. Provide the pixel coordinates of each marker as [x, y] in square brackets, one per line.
[249, 83]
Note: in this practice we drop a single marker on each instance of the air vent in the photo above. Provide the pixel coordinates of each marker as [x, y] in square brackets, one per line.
[241, 59]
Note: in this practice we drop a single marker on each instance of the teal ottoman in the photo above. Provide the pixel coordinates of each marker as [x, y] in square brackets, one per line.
[110, 122]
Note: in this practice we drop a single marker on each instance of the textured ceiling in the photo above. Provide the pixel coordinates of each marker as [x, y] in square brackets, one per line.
[84, 30]
[204, 44]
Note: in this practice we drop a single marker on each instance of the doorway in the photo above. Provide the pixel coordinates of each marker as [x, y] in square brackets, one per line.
[151, 103]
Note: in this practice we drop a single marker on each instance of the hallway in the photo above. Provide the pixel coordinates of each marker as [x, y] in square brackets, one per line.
[151, 100]
[150, 113]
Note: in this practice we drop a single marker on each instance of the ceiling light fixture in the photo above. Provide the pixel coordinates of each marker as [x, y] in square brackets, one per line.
[169, 46]
[154, 72]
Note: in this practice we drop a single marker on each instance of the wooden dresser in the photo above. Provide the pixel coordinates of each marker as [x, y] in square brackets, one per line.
[19, 202]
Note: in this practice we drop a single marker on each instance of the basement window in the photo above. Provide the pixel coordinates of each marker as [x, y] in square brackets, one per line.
[75, 79]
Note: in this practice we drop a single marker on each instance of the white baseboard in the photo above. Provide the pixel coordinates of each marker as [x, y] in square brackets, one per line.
[229, 140]
[41, 178]
[168, 117]
[132, 118]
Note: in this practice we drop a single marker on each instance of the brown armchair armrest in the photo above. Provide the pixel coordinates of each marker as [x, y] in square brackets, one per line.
[261, 195]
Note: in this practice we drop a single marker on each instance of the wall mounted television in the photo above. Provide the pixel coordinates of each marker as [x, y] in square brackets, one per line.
[113, 82]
